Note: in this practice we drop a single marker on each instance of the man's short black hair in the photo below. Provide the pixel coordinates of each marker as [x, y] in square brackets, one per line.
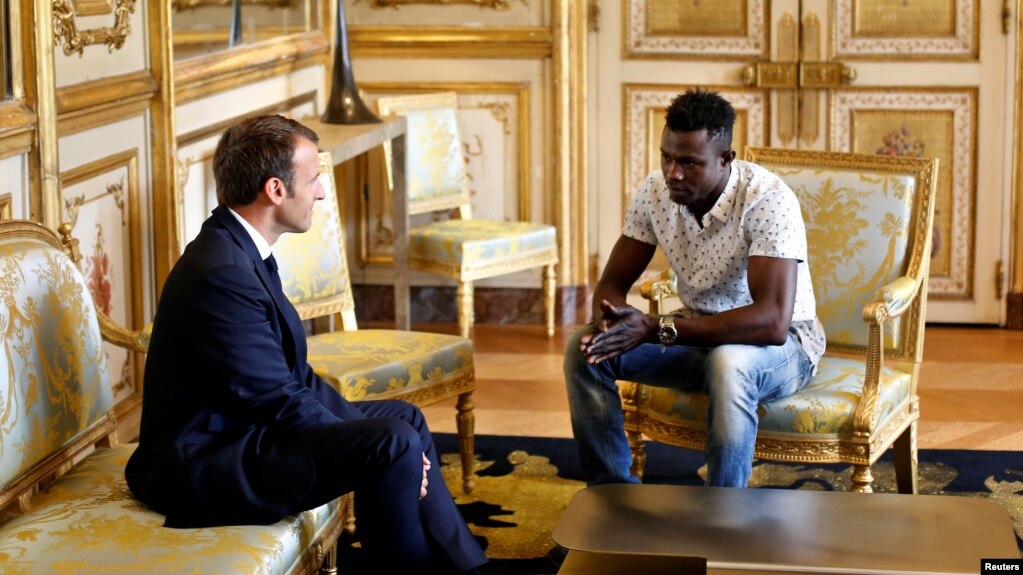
[697, 109]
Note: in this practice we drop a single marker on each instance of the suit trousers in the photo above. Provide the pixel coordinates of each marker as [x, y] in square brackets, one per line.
[377, 452]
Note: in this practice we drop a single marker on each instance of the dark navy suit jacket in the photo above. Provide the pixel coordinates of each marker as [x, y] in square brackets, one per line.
[226, 386]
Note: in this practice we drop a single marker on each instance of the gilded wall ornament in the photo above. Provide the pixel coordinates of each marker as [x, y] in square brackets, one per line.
[75, 40]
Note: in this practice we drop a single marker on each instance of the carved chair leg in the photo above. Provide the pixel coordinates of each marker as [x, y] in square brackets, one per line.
[638, 453]
[906, 460]
[348, 513]
[466, 422]
[862, 479]
[549, 287]
[629, 391]
[329, 565]
[466, 313]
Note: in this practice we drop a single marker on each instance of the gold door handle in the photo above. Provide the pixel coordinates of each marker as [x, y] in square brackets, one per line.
[824, 75]
[797, 75]
[772, 75]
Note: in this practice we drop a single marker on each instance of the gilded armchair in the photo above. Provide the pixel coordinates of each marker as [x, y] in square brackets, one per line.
[463, 249]
[868, 220]
[418, 367]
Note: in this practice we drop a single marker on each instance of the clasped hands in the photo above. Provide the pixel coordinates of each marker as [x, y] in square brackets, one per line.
[619, 329]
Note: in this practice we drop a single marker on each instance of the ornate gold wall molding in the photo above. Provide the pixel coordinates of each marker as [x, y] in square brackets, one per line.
[105, 91]
[1014, 304]
[711, 30]
[395, 4]
[5, 206]
[203, 76]
[75, 40]
[938, 122]
[450, 42]
[91, 104]
[919, 30]
[16, 131]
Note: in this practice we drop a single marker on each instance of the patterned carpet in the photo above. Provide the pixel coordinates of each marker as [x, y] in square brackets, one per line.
[524, 484]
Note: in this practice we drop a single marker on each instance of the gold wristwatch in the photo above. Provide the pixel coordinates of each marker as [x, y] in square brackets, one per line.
[666, 332]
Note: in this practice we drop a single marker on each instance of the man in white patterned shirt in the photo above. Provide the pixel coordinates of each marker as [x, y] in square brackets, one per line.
[748, 333]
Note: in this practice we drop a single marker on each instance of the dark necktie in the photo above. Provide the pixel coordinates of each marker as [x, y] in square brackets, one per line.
[271, 266]
[292, 323]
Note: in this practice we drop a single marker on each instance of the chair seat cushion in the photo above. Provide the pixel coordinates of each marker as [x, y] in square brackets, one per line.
[89, 522]
[383, 363]
[468, 242]
[824, 407]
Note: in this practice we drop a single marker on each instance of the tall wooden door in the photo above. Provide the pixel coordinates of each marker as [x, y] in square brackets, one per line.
[929, 78]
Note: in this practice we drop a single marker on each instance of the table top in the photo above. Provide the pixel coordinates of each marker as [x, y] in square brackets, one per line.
[799, 530]
[345, 141]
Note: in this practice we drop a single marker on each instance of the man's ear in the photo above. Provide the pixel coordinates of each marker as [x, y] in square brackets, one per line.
[727, 156]
[274, 190]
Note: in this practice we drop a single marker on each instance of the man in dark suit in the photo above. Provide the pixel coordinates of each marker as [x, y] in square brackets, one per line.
[236, 427]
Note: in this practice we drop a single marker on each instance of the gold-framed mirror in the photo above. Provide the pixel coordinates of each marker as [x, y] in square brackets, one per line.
[201, 27]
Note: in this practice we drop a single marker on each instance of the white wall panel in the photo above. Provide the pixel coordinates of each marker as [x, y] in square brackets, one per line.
[14, 181]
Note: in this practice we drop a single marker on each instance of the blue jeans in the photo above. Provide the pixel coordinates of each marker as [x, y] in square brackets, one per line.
[735, 377]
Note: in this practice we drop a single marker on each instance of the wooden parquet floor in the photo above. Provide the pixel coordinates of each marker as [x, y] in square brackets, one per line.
[971, 386]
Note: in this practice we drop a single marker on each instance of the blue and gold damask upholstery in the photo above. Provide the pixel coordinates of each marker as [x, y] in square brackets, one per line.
[64, 504]
[868, 224]
[418, 367]
[54, 386]
[462, 249]
[91, 523]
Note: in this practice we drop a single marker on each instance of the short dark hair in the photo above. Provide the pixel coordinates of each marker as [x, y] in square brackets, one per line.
[253, 151]
[697, 109]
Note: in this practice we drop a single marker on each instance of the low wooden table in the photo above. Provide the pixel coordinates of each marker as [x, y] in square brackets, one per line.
[779, 530]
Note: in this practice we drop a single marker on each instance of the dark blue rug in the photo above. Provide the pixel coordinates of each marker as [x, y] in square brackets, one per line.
[524, 483]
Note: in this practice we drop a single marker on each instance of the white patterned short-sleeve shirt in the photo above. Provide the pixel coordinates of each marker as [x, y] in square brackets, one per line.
[757, 214]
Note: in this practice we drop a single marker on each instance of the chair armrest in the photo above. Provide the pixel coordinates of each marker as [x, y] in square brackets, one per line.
[899, 294]
[657, 291]
[132, 340]
[892, 300]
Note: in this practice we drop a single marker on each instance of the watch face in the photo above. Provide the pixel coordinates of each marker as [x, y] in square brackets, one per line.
[667, 332]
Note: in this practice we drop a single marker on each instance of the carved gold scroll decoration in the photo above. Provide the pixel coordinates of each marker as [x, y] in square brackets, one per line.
[75, 40]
